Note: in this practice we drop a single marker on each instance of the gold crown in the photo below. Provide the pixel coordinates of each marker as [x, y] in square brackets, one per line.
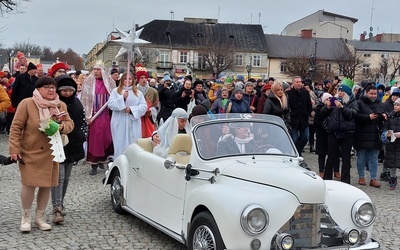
[99, 63]
[140, 68]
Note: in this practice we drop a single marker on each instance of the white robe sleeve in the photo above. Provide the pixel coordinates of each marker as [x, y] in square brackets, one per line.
[116, 101]
[139, 109]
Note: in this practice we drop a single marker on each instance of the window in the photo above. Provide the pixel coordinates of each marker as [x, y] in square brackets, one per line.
[201, 63]
[340, 69]
[256, 61]
[366, 69]
[238, 60]
[183, 57]
[367, 55]
[164, 58]
[328, 68]
[283, 67]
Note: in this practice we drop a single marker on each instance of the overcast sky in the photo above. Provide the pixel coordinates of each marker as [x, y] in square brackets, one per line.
[80, 24]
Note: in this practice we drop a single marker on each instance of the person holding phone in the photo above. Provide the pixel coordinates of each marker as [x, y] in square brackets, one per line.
[184, 95]
[367, 142]
[341, 127]
[33, 149]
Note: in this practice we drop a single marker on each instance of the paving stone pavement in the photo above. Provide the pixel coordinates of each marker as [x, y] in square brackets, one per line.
[91, 223]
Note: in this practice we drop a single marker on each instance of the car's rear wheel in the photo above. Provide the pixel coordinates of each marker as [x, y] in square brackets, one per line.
[117, 193]
[204, 233]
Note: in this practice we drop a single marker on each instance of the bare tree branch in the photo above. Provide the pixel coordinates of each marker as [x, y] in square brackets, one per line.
[11, 6]
[349, 60]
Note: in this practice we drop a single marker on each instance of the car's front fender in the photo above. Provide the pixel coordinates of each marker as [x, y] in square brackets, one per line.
[340, 198]
[227, 202]
[121, 164]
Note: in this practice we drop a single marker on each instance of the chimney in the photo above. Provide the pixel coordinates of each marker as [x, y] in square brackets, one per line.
[306, 33]
[378, 38]
[362, 37]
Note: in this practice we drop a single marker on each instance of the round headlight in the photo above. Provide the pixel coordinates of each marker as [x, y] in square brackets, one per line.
[284, 241]
[351, 236]
[363, 213]
[254, 219]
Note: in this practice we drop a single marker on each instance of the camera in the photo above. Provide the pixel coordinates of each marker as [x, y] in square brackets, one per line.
[188, 92]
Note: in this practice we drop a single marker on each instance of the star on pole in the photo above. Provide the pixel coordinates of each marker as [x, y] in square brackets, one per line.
[130, 41]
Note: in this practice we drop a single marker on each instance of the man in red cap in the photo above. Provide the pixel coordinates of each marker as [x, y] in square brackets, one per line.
[58, 69]
[152, 100]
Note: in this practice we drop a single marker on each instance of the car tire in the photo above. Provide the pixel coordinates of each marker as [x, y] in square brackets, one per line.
[117, 193]
[204, 233]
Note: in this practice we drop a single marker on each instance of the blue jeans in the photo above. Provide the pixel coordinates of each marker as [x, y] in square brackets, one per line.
[300, 138]
[58, 193]
[369, 156]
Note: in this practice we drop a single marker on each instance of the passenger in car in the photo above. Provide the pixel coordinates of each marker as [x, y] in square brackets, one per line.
[175, 124]
[241, 141]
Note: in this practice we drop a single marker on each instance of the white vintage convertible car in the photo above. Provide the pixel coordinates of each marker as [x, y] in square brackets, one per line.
[212, 192]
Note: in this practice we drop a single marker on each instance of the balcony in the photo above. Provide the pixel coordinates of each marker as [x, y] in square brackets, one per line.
[164, 65]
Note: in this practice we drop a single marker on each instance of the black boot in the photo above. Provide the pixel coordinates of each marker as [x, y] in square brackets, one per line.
[385, 175]
[94, 170]
[312, 149]
[392, 183]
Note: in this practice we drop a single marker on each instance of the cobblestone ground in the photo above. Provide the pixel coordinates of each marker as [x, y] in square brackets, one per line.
[91, 223]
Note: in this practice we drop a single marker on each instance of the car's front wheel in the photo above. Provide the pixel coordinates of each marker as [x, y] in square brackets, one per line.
[117, 192]
[204, 233]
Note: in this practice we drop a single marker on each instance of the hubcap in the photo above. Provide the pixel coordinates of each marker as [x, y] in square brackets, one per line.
[203, 239]
[116, 190]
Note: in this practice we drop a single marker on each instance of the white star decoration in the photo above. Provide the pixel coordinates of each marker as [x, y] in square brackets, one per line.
[130, 41]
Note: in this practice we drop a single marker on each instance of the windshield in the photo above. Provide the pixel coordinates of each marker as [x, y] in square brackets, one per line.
[241, 137]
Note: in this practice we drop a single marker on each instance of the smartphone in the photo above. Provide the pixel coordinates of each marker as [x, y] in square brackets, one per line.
[333, 99]
[62, 113]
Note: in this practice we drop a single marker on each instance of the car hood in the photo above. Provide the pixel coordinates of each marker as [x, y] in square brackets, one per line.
[280, 173]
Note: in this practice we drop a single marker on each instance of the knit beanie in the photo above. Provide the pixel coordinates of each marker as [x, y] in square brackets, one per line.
[347, 86]
[325, 96]
[237, 90]
[31, 66]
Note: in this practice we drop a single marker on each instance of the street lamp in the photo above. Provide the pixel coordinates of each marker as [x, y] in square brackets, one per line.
[313, 61]
[248, 68]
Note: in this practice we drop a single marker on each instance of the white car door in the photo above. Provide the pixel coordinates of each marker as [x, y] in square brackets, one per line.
[156, 192]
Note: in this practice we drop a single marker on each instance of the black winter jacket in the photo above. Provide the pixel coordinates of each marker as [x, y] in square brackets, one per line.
[182, 102]
[367, 133]
[272, 106]
[23, 87]
[392, 156]
[300, 108]
[74, 149]
[341, 121]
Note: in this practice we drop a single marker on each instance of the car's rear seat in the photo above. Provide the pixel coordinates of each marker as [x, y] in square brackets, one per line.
[146, 144]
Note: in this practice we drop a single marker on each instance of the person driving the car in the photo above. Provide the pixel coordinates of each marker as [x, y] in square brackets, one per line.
[241, 141]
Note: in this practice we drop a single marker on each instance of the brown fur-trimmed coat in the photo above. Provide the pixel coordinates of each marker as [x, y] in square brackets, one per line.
[25, 138]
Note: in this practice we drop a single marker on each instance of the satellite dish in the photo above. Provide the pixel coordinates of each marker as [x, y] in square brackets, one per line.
[365, 33]
[371, 29]
[370, 35]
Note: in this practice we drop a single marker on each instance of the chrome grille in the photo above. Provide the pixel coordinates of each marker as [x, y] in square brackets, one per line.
[311, 226]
